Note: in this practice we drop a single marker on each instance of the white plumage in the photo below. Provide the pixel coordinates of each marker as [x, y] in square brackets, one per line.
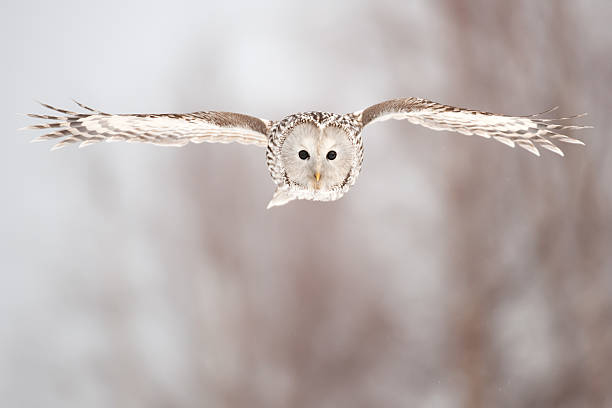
[311, 155]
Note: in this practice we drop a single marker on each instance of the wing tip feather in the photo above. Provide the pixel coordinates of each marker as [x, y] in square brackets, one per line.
[58, 146]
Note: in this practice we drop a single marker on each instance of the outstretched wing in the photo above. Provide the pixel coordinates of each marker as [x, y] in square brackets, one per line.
[160, 129]
[529, 132]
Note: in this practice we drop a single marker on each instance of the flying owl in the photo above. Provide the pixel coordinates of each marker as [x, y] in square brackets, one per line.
[311, 155]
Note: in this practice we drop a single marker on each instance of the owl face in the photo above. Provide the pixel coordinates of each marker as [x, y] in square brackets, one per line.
[317, 158]
[314, 156]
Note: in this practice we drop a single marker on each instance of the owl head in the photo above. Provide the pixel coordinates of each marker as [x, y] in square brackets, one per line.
[314, 156]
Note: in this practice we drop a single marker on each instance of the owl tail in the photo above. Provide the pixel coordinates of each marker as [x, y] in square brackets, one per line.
[280, 197]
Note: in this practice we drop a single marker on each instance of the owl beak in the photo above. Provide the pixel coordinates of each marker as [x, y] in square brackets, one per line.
[317, 177]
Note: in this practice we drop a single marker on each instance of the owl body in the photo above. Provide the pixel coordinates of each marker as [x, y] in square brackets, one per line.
[311, 155]
[317, 175]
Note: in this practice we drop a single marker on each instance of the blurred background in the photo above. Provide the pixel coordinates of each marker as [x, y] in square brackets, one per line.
[456, 273]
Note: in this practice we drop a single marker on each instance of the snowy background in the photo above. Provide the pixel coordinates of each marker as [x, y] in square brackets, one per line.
[456, 272]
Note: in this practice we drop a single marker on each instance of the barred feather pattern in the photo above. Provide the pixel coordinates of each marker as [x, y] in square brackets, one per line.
[160, 129]
[528, 132]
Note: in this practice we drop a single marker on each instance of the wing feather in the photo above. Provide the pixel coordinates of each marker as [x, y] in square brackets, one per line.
[528, 132]
[159, 129]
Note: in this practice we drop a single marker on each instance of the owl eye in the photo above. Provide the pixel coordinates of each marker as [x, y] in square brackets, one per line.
[303, 154]
[331, 155]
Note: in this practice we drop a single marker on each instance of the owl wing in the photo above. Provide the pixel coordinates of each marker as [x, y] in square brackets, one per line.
[159, 129]
[529, 132]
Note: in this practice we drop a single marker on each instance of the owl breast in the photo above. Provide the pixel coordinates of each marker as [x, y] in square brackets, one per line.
[315, 155]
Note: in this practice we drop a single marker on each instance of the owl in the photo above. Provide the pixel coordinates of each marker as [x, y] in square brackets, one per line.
[311, 155]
